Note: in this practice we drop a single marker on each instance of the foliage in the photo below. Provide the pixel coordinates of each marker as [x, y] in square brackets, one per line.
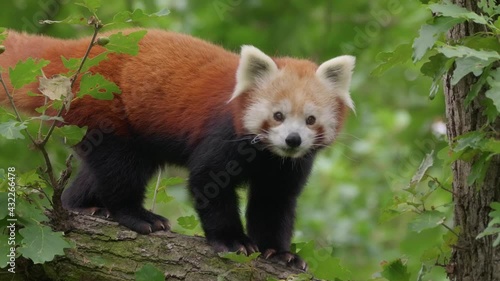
[28, 194]
[494, 225]
[368, 201]
[476, 54]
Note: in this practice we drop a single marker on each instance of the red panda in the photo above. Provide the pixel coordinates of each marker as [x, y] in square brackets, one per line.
[231, 119]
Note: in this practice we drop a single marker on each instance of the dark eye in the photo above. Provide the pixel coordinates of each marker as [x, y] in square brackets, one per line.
[278, 116]
[310, 120]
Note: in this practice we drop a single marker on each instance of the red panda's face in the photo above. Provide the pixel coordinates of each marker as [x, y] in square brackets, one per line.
[295, 108]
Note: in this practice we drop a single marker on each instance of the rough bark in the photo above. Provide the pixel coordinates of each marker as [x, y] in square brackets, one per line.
[106, 251]
[472, 259]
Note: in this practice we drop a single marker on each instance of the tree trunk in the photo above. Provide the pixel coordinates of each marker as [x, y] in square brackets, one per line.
[108, 252]
[472, 259]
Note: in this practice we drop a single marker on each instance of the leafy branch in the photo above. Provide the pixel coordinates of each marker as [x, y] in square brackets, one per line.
[96, 23]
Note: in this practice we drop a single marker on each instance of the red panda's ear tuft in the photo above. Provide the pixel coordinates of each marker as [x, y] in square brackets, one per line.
[254, 67]
[337, 73]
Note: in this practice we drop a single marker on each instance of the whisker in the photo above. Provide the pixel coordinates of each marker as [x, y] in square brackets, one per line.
[256, 139]
[239, 139]
[349, 135]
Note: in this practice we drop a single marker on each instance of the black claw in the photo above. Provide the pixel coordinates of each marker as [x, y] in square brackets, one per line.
[288, 258]
[241, 245]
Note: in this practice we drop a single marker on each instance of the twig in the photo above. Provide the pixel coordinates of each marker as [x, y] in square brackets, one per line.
[156, 190]
[18, 116]
[97, 26]
[449, 228]
[440, 184]
[41, 120]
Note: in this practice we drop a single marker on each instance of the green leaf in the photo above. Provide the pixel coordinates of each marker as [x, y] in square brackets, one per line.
[396, 271]
[437, 66]
[149, 272]
[41, 244]
[494, 92]
[426, 220]
[400, 55]
[490, 110]
[98, 87]
[188, 222]
[480, 42]
[454, 11]
[491, 145]
[489, 7]
[239, 258]
[72, 134]
[322, 264]
[462, 51]
[172, 181]
[477, 86]
[125, 44]
[138, 16]
[26, 72]
[430, 33]
[450, 238]
[91, 5]
[493, 227]
[422, 170]
[29, 213]
[74, 63]
[479, 169]
[474, 140]
[11, 129]
[466, 65]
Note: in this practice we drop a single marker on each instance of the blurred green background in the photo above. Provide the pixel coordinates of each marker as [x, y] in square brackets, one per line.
[345, 205]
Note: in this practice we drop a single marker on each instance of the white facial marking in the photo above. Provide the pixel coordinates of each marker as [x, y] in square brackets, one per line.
[296, 96]
[292, 124]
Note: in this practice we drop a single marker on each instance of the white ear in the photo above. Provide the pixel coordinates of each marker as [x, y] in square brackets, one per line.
[337, 74]
[254, 66]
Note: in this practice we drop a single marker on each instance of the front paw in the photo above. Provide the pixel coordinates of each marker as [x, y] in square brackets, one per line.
[141, 220]
[241, 244]
[286, 257]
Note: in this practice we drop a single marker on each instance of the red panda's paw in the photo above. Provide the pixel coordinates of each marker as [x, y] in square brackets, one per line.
[243, 245]
[290, 259]
[141, 220]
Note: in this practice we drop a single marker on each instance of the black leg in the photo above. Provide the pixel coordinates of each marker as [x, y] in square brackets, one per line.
[81, 196]
[118, 173]
[215, 172]
[274, 188]
[220, 218]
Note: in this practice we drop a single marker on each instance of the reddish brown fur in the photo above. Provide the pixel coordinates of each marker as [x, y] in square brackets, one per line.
[167, 79]
[173, 86]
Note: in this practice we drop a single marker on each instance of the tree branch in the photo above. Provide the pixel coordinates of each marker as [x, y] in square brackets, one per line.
[106, 251]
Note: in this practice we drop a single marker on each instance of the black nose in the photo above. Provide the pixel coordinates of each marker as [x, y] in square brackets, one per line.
[293, 140]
